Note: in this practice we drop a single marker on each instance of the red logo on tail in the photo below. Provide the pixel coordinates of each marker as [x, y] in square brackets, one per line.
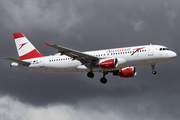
[21, 45]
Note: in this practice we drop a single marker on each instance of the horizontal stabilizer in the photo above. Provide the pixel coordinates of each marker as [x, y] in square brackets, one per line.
[18, 61]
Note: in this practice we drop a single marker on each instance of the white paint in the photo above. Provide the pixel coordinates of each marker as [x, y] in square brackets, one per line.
[128, 56]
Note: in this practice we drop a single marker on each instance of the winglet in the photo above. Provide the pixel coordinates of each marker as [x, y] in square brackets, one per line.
[47, 44]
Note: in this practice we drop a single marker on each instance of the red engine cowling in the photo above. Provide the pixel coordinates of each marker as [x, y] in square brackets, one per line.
[108, 63]
[128, 72]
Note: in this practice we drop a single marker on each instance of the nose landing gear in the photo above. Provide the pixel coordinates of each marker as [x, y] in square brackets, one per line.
[153, 69]
[154, 72]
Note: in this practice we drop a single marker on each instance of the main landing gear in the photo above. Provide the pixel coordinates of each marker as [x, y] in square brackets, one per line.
[102, 80]
[90, 74]
[153, 69]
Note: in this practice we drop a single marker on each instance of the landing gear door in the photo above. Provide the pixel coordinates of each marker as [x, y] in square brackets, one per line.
[150, 50]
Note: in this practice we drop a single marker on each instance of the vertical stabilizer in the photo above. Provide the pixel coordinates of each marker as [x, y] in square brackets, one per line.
[24, 47]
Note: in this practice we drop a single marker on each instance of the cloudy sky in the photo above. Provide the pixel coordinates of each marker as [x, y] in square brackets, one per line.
[89, 25]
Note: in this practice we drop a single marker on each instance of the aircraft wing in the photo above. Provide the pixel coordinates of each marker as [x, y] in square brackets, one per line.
[85, 59]
[18, 61]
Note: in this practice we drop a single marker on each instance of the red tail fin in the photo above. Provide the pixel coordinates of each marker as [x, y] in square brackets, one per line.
[24, 47]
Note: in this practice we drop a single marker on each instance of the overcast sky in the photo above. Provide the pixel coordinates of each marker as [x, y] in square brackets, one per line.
[89, 25]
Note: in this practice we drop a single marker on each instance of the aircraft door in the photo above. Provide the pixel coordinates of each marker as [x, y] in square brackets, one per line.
[150, 50]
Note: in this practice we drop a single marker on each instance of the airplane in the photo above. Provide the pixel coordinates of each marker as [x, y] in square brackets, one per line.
[118, 61]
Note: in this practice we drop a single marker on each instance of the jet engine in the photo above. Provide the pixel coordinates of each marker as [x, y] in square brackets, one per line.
[128, 72]
[108, 63]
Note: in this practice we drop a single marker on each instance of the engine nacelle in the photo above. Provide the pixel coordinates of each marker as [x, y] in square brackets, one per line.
[109, 63]
[128, 72]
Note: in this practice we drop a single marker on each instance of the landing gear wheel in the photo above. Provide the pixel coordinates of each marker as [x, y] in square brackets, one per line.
[90, 74]
[154, 72]
[153, 69]
[103, 80]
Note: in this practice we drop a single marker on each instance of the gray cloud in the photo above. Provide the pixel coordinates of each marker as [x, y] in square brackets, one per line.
[89, 25]
[138, 26]
[149, 108]
[27, 15]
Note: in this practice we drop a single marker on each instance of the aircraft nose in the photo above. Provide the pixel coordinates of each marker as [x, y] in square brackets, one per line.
[173, 54]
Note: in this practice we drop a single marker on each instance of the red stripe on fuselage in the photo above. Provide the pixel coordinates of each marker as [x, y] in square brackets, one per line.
[33, 54]
[139, 48]
[17, 35]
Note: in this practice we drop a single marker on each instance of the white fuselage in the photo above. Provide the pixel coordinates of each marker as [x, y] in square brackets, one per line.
[148, 55]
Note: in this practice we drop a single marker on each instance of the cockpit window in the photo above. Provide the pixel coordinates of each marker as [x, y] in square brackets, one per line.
[163, 49]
